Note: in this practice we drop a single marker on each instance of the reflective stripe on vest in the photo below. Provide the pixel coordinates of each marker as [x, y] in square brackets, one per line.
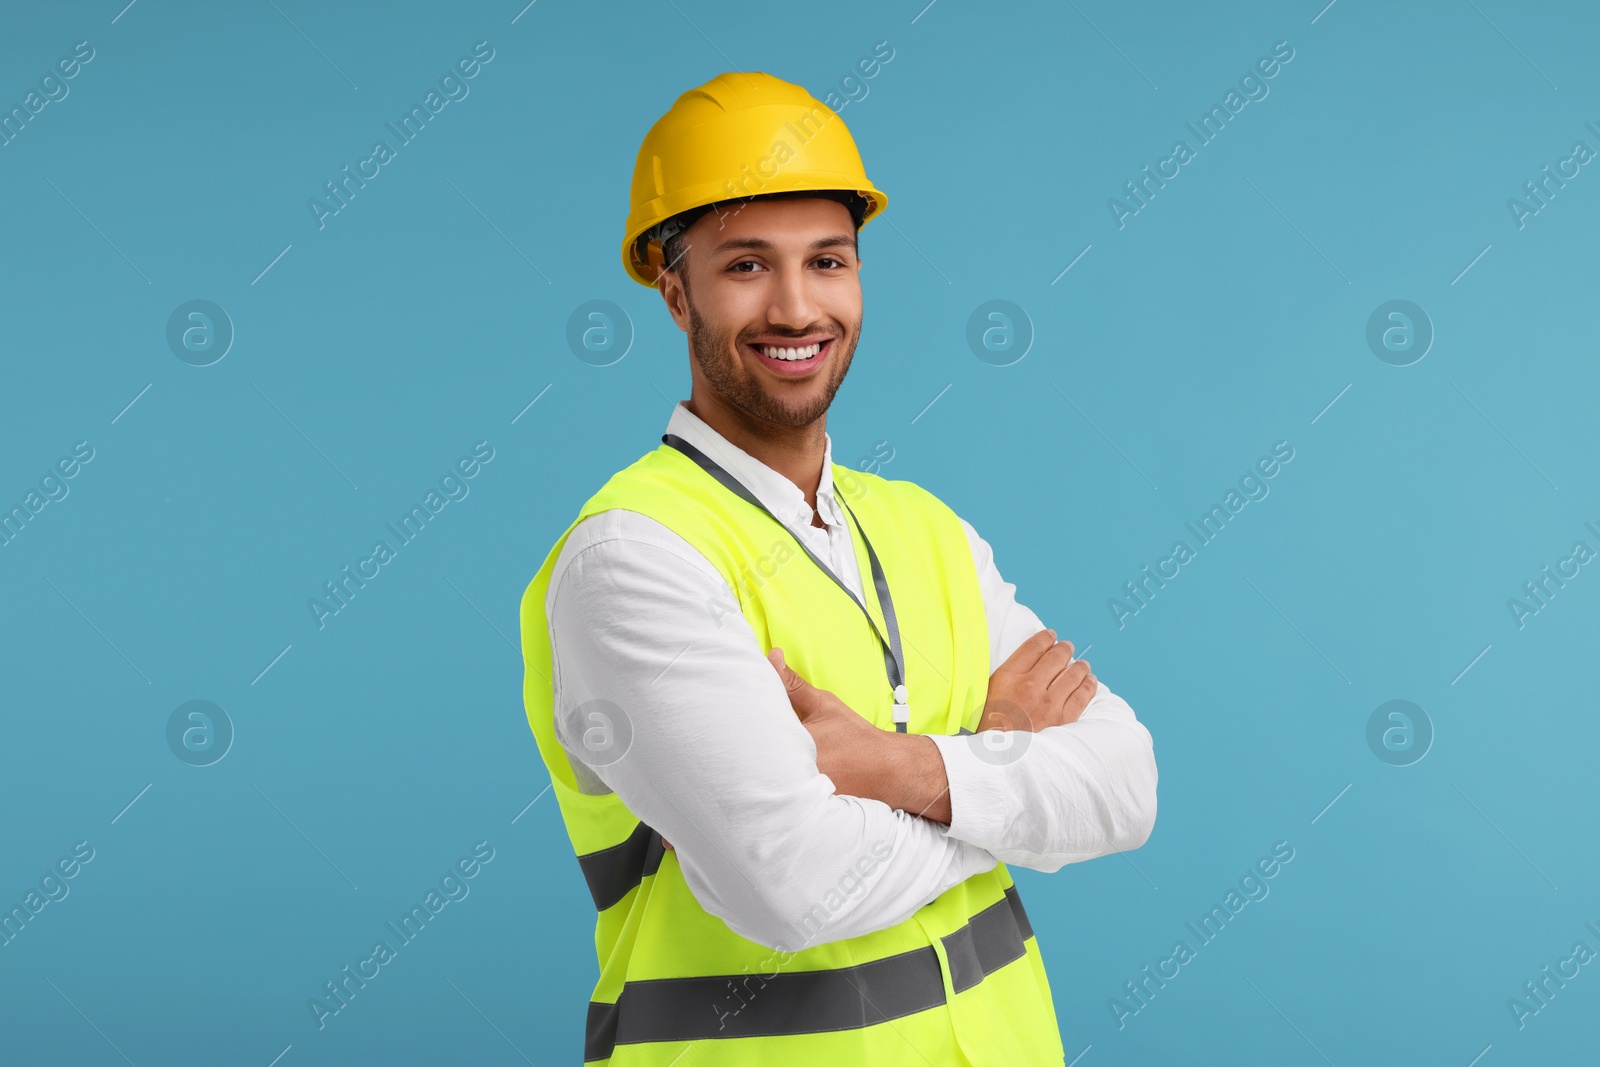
[613, 872]
[810, 1002]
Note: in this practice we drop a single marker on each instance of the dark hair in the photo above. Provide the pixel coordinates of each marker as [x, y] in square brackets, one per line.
[673, 251]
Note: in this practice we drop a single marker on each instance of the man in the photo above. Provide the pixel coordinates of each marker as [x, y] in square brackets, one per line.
[796, 722]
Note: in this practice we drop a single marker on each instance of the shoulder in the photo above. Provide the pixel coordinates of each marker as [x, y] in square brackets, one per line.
[617, 549]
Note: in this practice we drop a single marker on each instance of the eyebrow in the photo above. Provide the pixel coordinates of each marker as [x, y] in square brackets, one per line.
[759, 244]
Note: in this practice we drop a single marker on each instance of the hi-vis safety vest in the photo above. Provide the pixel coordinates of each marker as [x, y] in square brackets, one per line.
[961, 981]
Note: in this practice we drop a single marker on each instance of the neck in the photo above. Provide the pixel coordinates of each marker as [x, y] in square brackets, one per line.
[794, 452]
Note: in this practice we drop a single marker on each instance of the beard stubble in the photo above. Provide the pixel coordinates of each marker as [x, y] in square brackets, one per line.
[713, 350]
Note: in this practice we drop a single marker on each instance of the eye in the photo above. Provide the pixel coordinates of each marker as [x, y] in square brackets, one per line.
[831, 259]
[743, 262]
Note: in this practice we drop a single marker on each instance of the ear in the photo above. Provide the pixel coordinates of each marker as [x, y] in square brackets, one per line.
[672, 293]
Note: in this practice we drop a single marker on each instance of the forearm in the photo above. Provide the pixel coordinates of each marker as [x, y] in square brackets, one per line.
[912, 777]
[1069, 794]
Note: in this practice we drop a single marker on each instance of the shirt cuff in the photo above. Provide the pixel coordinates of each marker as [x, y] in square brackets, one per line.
[974, 767]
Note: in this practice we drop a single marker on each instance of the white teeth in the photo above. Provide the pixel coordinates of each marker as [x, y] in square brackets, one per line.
[774, 352]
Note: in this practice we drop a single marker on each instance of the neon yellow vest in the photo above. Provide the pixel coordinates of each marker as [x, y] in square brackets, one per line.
[961, 981]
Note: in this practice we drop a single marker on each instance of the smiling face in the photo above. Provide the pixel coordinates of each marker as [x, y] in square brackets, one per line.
[775, 312]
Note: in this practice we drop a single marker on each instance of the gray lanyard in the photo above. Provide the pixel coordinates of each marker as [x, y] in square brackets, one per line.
[893, 658]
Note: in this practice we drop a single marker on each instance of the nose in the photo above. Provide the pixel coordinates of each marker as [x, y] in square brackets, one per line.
[793, 305]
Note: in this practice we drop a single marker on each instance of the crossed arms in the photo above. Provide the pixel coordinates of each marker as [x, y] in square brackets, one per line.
[775, 801]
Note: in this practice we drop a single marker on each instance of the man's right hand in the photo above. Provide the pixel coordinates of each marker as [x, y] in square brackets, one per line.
[1040, 685]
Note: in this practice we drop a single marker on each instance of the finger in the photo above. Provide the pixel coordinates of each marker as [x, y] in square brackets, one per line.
[667, 845]
[804, 697]
[1080, 698]
[1027, 654]
[1070, 677]
[786, 674]
[1055, 660]
[1059, 693]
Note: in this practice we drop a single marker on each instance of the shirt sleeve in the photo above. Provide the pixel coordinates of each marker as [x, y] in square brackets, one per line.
[1064, 794]
[707, 750]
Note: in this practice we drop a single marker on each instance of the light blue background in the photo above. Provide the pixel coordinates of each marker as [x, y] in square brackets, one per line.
[427, 314]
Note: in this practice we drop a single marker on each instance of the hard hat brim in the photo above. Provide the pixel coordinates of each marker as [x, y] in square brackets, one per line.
[712, 193]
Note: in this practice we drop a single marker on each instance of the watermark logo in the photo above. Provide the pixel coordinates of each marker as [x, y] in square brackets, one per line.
[1139, 191]
[853, 83]
[1538, 993]
[599, 332]
[453, 887]
[999, 332]
[453, 487]
[52, 889]
[53, 487]
[999, 747]
[199, 733]
[852, 884]
[1399, 333]
[53, 89]
[1140, 591]
[1252, 887]
[598, 732]
[1537, 194]
[1539, 591]
[200, 333]
[453, 88]
[1399, 733]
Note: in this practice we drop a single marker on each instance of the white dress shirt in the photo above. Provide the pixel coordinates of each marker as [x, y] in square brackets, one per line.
[713, 757]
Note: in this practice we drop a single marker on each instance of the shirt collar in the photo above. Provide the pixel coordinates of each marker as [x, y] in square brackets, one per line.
[780, 496]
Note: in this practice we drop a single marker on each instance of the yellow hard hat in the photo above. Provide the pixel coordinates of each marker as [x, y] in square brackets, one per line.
[737, 136]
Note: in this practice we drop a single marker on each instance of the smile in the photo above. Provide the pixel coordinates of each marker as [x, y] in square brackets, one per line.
[793, 361]
[789, 354]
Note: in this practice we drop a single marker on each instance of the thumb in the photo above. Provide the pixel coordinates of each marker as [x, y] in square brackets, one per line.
[803, 696]
[786, 674]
